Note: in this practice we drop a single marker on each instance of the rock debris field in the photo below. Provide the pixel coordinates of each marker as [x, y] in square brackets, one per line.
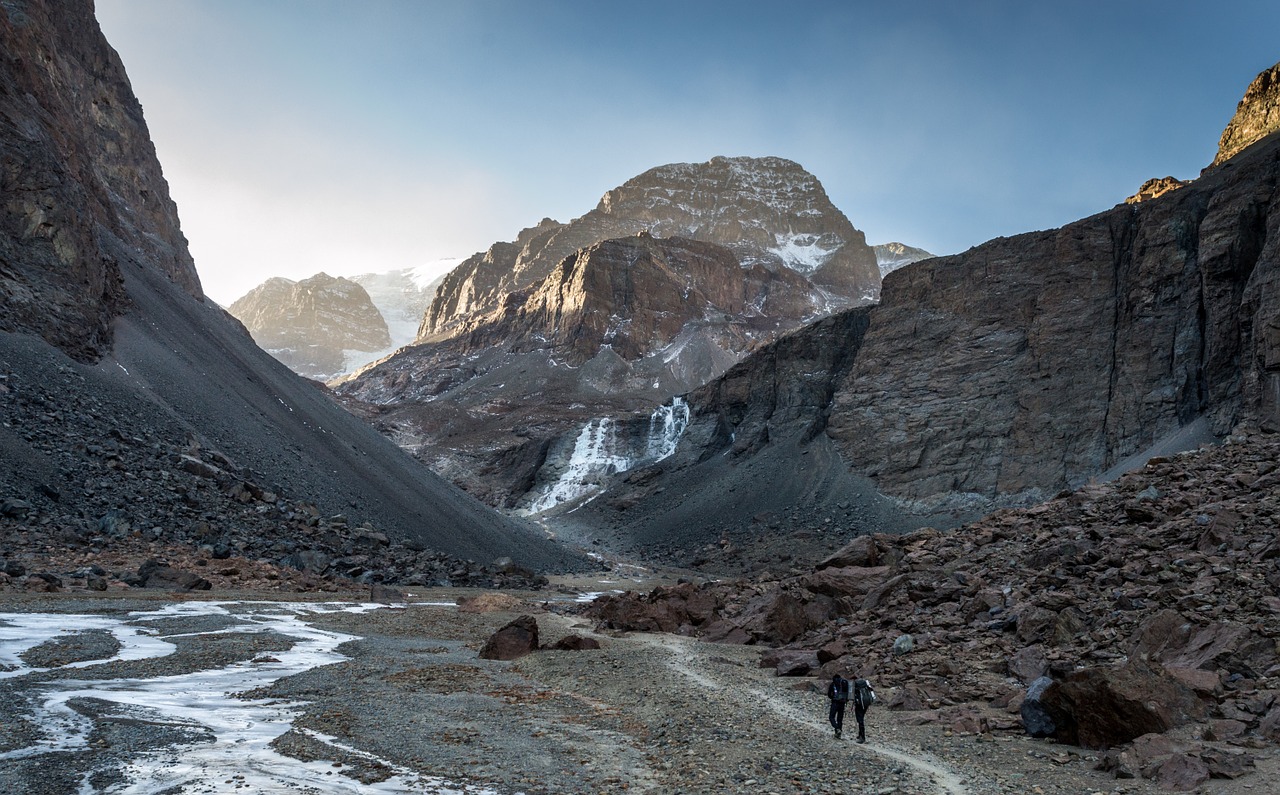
[112, 695]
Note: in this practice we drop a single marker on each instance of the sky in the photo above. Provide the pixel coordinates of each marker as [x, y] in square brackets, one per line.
[301, 136]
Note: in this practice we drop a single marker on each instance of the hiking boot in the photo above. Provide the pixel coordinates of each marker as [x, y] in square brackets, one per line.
[837, 734]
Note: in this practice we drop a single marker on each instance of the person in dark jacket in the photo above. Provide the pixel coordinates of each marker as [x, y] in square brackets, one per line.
[838, 692]
[863, 697]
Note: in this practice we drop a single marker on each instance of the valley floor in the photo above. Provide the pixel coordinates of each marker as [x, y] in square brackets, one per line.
[413, 709]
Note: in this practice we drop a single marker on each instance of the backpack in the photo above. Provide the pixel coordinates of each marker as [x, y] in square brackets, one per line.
[863, 695]
[842, 690]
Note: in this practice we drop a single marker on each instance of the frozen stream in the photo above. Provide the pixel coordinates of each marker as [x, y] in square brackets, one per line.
[215, 742]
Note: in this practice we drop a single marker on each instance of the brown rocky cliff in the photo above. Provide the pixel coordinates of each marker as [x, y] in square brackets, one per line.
[1257, 116]
[79, 180]
[766, 210]
[636, 295]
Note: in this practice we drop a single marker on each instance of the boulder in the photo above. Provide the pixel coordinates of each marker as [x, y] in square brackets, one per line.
[1181, 773]
[1028, 664]
[574, 643]
[847, 580]
[1037, 720]
[861, 551]
[516, 639]
[790, 662]
[155, 574]
[1104, 707]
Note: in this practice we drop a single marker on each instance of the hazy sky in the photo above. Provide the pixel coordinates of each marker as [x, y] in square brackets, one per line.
[307, 135]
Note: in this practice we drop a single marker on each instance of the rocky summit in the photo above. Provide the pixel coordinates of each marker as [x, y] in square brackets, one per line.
[1257, 116]
[313, 326]
[767, 210]
[891, 256]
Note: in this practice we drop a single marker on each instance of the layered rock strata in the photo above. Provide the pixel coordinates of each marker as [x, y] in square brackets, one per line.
[81, 187]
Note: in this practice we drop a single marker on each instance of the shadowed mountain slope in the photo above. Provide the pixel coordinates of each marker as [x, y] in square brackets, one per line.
[93, 262]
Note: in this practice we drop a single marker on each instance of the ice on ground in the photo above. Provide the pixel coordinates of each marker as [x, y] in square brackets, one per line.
[199, 704]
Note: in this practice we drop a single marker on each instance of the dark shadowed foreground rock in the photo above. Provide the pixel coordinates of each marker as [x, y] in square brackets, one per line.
[156, 574]
[1105, 707]
[574, 643]
[516, 639]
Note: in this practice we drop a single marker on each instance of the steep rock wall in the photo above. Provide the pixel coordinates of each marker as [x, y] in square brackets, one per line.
[80, 186]
[1032, 363]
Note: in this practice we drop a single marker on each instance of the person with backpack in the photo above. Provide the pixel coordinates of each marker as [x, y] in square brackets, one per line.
[863, 697]
[838, 691]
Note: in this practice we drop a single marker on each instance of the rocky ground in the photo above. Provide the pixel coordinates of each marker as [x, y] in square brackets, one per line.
[113, 483]
[644, 713]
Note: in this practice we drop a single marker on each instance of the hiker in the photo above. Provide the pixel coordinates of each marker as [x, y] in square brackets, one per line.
[838, 692]
[863, 697]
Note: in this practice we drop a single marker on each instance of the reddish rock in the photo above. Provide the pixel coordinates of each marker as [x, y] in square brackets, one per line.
[861, 551]
[1104, 707]
[1182, 773]
[516, 639]
[847, 581]
[790, 662]
[574, 643]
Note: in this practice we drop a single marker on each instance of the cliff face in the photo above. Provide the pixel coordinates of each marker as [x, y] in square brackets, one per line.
[1257, 116]
[311, 324]
[79, 181]
[768, 211]
[1035, 362]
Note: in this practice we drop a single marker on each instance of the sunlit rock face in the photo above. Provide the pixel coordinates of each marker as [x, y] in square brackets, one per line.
[1257, 115]
[82, 188]
[891, 256]
[1154, 188]
[313, 326]
[767, 211]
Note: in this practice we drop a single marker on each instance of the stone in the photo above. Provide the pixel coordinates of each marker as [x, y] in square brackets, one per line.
[1104, 707]
[515, 640]
[1028, 664]
[790, 662]
[385, 594]
[1181, 773]
[1037, 719]
[574, 643]
[311, 560]
[861, 551]
[903, 644]
[155, 574]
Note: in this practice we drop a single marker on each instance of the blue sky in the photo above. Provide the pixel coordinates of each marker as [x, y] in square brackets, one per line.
[307, 135]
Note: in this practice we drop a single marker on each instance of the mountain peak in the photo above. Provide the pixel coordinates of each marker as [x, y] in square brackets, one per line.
[1257, 115]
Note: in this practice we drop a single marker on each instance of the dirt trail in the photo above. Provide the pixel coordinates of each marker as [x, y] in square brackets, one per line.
[690, 659]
